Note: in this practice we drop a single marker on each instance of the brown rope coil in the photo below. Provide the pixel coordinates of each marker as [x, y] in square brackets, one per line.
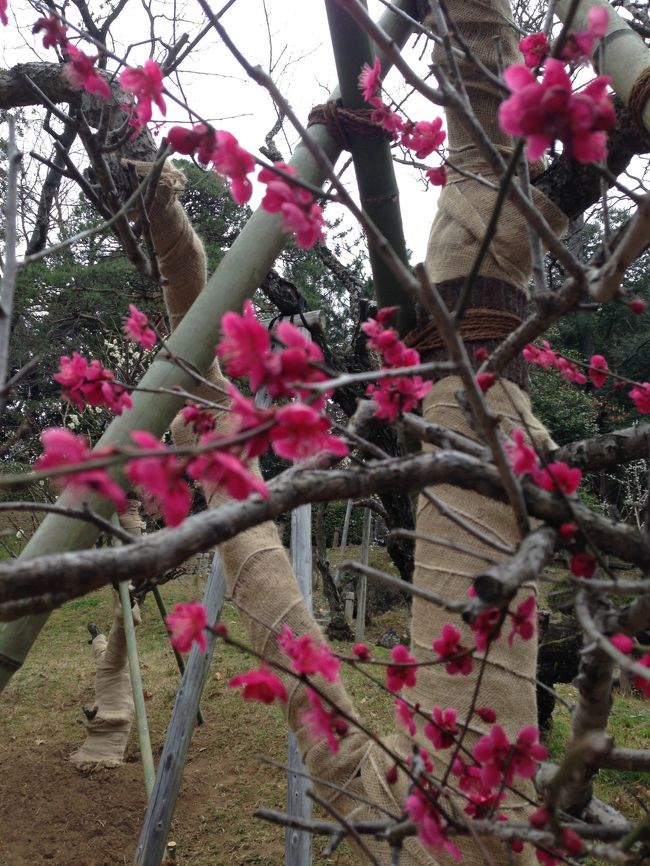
[639, 96]
[342, 122]
[478, 324]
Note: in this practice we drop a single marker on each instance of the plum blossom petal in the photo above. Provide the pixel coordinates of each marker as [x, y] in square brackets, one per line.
[187, 622]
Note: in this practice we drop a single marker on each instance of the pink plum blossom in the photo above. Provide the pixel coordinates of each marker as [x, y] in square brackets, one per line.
[622, 642]
[424, 137]
[641, 397]
[202, 420]
[299, 212]
[383, 115]
[524, 620]
[235, 163]
[300, 432]
[544, 111]
[136, 328]
[81, 73]
[486, 627]
[260, 685]
[370, 79]
[404, 716]
[437, 176]
[161, 477]
[422, 810]
[200, 140]
[307, 656]
[598, 370]
[84, 383]
[244, 346]
[55, 31]
[145, 83]
[442, 730]
[186, 623]
[522, 457]
[559, 476]
[226, 470]
[63, 448]
[404, 670]
[534, 48]
[324, 724]
[448, 646]
[583, 565]
[637, 306]
[397, 395]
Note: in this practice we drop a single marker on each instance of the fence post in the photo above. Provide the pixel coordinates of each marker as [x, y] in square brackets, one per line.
[160, 809]
[362, 581]
[344, 538]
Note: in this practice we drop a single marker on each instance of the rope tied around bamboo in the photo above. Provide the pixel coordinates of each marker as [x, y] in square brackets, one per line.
[639, 96]
[342, 122]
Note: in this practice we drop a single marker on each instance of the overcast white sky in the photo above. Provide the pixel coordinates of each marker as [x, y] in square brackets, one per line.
[293, 42]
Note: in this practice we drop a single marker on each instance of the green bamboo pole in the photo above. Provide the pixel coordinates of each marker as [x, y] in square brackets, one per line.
[373, 163]
[239, 274]
[625, 56]
[136, 687]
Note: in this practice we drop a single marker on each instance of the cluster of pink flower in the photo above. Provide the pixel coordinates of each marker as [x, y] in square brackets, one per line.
[161, 475]
[422, 137]
[136, 328]
[546, 358]
[554, 477]
[398, 394]
[62, 448]
[220, 148]
[144, 82]
[495, 760]
[297, 208]
[90, 384]
[578, 45]
[569, 839]
[542, 112]
[294, 431]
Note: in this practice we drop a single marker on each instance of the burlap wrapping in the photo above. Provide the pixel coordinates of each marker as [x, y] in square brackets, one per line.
[108, 733]
[464, 205]
[180, 254]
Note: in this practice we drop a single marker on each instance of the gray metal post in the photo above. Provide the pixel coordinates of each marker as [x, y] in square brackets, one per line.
[160, 810]
[362, 582]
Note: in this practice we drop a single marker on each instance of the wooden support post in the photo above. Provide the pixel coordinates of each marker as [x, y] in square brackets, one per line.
[344, 538]
[362, 581]
[160, 810]
[136, 687]
[349, 606]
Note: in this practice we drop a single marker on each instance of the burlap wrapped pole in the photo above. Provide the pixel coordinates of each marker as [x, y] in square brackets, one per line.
[107, 733]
